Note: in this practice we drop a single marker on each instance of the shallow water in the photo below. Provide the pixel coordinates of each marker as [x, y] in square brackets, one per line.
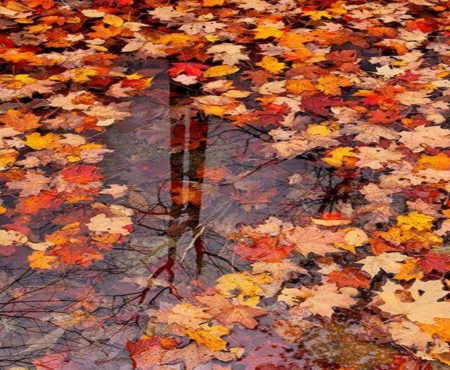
[222, 220]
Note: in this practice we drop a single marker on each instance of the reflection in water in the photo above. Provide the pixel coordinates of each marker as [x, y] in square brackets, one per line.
[193, 180]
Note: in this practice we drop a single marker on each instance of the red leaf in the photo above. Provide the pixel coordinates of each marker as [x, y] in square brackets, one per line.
[190, 69]
[81, 174]
[264, 249]
[350, 277]
[316, 104]
[434, 261]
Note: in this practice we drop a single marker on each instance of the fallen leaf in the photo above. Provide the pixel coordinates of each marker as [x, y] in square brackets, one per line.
[228, 312]
[221, 70]
[39, 260]
[210, 336]
[424, 294]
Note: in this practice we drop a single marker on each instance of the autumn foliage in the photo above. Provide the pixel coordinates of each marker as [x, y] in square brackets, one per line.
[359, 90]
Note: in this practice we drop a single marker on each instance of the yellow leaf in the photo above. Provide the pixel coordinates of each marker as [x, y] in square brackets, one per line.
[177, 39]
[222, 70]
[210, 336]
[318, 130]
[38, 141]
[212, 38]
[439, 162]
[415, 220]
[82, 74]
[346, 247]
[113, 20]
[319, 14]
[340, 156]
[216, 110]
[245, 284]
[271, 64]
[409, 271]
[213, 2]
[73, 158]
[26, 79]
[262, 32]
[38, 260]
[441, 327]
[7, 158]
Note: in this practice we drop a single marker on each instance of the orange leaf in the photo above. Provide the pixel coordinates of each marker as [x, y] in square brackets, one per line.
[20, 121]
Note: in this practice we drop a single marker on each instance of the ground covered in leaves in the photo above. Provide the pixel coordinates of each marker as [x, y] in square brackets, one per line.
[225, 184]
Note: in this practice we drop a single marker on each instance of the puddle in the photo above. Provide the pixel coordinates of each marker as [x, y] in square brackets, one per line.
[287, 214]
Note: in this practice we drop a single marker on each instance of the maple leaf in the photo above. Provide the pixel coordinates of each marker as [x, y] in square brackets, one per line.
[195, 354]
[81, 174]
[264, 32]
[415, 220]
[389, 262]
[342, 156]
[331, 84]
[32, 184]
[376, 158]
[425, 136]
[271, 65]
[149, 350]
[423, 294]
[349, 277]
[105, 224]
[434, 261]
[184, 314]
[312, 239]
[103, 32]
[39, 260]
[298, 87]
[7, 158]
[279, 271]
[317, 103]
[245, 284]
[440, 327]
[210, 336]
[44, 200]
[190, 69]
[202, 28]
[322, 299]
[39, 142]
[440, 162]
[409, 271]
[228, 53]
[265, 249]
[229, 313]
[409, 334]
[20, 121]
